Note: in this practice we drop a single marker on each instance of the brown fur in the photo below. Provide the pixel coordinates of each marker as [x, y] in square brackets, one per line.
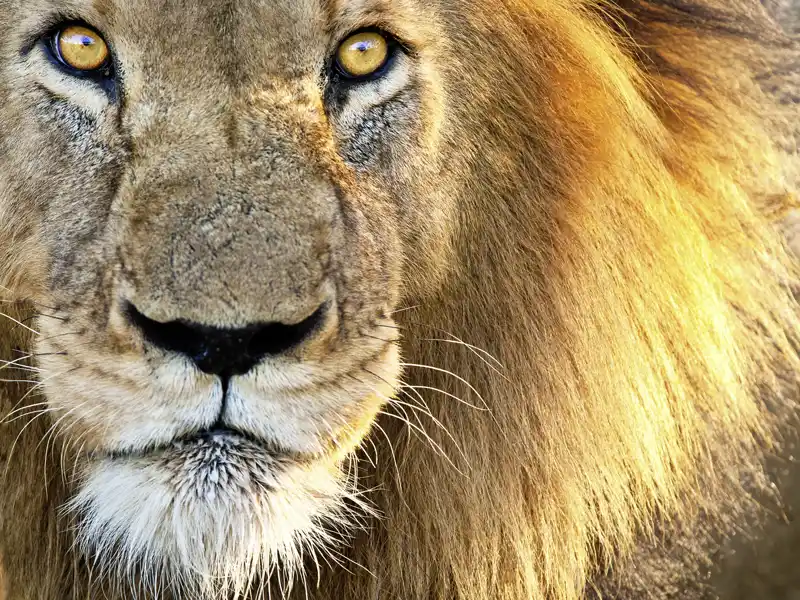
[581, 189]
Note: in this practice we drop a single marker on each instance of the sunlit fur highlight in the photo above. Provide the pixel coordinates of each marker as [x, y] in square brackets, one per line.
[615, 253]
[618, 258]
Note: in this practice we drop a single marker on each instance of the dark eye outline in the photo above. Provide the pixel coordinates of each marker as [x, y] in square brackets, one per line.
[393, 47]
[103, 73]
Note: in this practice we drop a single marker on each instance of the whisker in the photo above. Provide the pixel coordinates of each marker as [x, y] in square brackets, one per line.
[478, 351]
[474, 349]
[446, 372]
[371, 459]
[416, 394]
[351, 561]
[77, 451]
[20, 367]
[404, 386]
[24, 356]
[407, 420]
[17, 363]
[49, 437]
[393, 454]
[21, 401]
[30, 318]
[436, 422]
[405, 309]
[420, 428]
[39, 385]
[35, 355]
[20, 323]
[26, 300]
[26, 411]
[433, 443]
[19, 435]
[34, 414]
[380, 339]
[55, 425]
[34, 390]
[52, 337]
[26, 407]
[54, 317]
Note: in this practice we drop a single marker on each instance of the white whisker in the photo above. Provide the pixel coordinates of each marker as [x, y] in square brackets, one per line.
[436, 422]
[405, 386]
[425, 436]
[14, 411]
[405, 309]
[474, 349]
[377, 426]
[17, 362]
[20, 323]
[445, 371]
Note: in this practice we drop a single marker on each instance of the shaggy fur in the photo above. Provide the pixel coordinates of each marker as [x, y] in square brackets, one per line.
[561, 210]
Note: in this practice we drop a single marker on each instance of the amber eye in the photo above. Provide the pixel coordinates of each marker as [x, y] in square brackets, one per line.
[362, 54]
[81, 48]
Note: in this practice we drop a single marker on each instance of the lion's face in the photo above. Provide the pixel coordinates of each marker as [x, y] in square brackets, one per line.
[216, 229]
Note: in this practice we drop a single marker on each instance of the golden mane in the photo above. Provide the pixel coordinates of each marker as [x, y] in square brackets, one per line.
[619, 259]
[625, 297]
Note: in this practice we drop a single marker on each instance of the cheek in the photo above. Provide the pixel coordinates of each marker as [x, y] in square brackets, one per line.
[63, 172]
[397, 146]
[102, 404]
[383, 137]
[24, 265]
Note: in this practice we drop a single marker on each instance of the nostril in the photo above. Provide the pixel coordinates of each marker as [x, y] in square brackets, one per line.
[277, 338]
[221, 351]
[175, 336]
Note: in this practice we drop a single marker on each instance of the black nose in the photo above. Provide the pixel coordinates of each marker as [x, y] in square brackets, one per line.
[225, 352]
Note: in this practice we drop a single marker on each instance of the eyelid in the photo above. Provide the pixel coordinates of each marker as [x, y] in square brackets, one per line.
[106, 78]
[339, 36]
[48, 27]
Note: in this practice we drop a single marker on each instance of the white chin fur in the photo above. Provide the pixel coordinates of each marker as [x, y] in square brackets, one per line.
[209, 518]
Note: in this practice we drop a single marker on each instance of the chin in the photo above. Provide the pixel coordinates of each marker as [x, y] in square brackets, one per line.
[206, 516]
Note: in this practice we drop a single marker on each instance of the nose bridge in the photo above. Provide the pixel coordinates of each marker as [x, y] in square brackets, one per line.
[229, 224]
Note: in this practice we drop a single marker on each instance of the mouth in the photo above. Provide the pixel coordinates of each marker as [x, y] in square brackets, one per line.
[216, 441]
[215, 436]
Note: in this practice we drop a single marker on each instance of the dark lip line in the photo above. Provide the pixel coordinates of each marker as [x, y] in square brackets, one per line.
[153, 450]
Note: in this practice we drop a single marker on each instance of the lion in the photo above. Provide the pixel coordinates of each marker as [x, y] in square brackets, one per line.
[451, 300]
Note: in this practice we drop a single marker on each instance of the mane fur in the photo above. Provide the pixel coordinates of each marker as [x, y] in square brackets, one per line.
[617, 256]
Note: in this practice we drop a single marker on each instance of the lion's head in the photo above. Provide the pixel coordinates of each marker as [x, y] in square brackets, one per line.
[260, 239]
